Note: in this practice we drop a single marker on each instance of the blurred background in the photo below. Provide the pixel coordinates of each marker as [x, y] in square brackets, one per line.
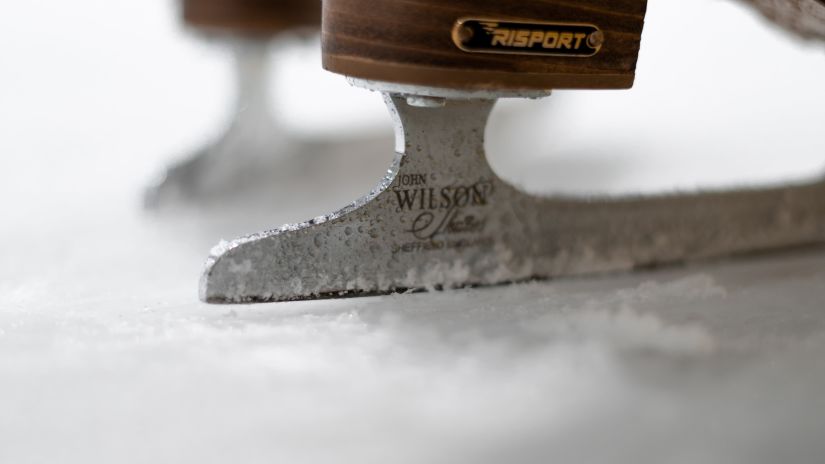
[106, 355]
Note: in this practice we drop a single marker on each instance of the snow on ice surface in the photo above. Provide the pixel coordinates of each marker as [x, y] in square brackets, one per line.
[678, 366]
[106, 356]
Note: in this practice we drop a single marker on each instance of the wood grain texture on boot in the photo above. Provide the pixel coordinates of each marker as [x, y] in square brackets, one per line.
[414, 42]
[252, 17]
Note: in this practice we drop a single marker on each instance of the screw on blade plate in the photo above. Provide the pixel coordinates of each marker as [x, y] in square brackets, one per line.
[442, 218]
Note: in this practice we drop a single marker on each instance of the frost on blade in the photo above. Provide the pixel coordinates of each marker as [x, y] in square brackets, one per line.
[220, 248]
[442, 218]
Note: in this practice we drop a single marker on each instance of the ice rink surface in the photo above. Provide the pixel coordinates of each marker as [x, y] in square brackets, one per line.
[107, 356]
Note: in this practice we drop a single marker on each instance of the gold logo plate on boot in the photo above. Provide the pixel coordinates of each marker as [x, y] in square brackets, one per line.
[527, 38]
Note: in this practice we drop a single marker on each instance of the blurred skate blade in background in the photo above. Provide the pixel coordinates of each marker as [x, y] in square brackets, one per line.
[253, 161]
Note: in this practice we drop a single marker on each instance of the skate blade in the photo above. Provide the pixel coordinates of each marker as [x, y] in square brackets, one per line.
[441, 218]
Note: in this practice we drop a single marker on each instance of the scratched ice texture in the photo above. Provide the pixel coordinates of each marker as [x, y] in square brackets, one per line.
[106, 355]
